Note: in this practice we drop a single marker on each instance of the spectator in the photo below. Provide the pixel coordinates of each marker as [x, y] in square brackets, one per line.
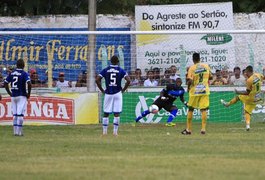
[150, 81]
[34, 78]
[174, 74]
[166, 80]
[157, 75]
[1, 81]
[62, 83]
[237, 79]
[225, 76]
[82, 80]
[218, 79]
[137, 80]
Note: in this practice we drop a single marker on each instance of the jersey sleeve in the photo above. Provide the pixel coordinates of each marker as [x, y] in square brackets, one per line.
[8, 79]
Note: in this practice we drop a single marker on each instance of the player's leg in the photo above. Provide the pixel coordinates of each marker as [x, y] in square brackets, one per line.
[143, 114]
[14, 111]
[232, 101]
[204, 106]
[192, 104]
[107, 108]
[173, 113]
[248, 108]
[117, 109]
[21, 105]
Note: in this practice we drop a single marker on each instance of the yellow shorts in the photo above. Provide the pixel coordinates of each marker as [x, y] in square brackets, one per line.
[249, 105]
[199, 102]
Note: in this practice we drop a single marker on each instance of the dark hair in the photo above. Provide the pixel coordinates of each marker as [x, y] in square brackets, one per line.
[249, 69]
[237, 68]
[196, 57]
[114, 60]
[156, 69]
[20, 64]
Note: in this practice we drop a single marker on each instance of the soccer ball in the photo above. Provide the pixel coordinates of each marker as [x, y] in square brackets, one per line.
[153, 109]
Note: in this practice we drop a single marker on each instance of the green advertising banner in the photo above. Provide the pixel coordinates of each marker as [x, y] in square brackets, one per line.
[136, 102]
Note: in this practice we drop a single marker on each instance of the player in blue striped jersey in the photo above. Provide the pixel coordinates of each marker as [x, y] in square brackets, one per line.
[113, 76]
[19, 94]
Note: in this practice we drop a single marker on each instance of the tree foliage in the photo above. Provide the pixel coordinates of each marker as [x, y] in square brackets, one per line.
[74, 7]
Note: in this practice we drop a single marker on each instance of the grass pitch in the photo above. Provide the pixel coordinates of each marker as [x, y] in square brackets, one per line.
[227, 151]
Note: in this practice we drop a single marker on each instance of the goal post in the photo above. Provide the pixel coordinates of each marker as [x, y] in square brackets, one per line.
[66, 51]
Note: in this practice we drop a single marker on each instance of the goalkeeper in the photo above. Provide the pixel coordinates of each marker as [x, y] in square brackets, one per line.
[166, 99]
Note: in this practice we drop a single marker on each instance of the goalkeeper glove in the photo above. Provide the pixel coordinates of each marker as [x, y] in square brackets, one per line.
[164, 98]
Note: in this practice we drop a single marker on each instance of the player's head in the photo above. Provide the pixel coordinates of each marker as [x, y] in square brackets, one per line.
[178, 81]
[20, 64]
[114, 60]
[196, 57]
[249, 71]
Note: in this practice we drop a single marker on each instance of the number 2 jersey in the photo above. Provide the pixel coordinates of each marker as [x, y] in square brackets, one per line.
[18, 80]
[113, 76]
[199, 73]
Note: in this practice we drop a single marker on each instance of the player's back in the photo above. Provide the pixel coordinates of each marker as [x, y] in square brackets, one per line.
[254, 84]
[113, 75]
[199, 73]
[18, 80]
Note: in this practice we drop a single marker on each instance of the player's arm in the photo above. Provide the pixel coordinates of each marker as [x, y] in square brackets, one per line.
[189, 83]
[127, 83]
[248, 89]
[98, 82]
[242, 92]
[29, 89]
[7, 88]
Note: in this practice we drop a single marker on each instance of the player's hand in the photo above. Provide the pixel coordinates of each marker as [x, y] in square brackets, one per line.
[164, 98]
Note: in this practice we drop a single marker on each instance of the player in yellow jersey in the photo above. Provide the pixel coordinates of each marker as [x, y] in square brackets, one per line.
[251, 97]
[198, 88]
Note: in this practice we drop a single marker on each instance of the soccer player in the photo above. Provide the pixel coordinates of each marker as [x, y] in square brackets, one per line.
[113, 76]
[251, 96]
[198, 88]
[166, 99]
[19, 95]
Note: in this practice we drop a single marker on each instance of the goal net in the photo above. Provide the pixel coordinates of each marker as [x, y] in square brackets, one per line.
[159, 46]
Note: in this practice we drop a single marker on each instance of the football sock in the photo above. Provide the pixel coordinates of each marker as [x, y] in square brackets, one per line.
[105, 123]
[116, 122]
[15, 125]
[144, 113]
[20, 125]
[189, 120]
[233, 101]
[172, 115]
[247, 118]
[204, 119]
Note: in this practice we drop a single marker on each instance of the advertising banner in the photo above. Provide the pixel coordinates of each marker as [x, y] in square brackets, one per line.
[68, 53]
[61, 108]
[165, 50]
[136, 102]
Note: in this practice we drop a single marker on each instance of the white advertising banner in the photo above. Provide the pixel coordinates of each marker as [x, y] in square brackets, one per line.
[165, 50]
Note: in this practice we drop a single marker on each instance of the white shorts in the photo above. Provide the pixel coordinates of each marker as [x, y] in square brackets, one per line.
[113, 103]
[18, 105]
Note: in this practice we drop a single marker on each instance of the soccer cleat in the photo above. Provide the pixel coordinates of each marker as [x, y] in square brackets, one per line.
[170, 124]
[247, 127]
[186, 132]
[203, 132]
[224, 103]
